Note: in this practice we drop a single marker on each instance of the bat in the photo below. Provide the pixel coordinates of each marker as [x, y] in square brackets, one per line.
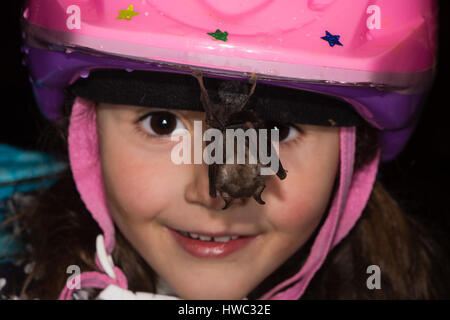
[235, 181]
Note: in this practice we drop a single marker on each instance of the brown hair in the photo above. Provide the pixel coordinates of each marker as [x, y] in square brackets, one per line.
[62, 232]
[384, 236]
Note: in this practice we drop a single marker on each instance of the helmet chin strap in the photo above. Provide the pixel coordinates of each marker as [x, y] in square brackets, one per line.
[348, 203]
[84, 155]
[347, 206]
[86, 169]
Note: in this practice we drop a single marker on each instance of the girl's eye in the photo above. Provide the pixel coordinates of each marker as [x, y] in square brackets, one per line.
[162, 123]
[286, 132]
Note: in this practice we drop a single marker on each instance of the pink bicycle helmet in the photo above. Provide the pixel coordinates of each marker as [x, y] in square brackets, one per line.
[378, 56]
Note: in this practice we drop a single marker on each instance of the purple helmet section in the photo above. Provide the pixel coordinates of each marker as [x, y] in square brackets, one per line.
[394, 113]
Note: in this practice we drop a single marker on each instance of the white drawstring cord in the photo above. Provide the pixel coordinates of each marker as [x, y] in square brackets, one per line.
[114, 292]
[104, 258]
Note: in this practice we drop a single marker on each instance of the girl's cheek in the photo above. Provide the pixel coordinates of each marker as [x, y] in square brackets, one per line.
[132, 196]
[300, 210]
[304, 195]
[133, 180]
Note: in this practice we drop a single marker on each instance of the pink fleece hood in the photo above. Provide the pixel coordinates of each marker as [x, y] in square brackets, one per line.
[347, 205]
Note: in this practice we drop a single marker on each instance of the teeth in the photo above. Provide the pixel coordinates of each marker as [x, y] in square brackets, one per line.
[222, 239]
[207, 238]
[193, 235]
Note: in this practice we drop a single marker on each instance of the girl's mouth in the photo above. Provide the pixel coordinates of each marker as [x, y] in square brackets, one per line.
[205, 246]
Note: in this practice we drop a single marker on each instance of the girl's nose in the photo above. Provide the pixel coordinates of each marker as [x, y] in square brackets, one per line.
[197, 191]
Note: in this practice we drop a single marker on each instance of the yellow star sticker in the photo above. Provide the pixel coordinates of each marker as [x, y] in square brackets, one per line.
[127, 14]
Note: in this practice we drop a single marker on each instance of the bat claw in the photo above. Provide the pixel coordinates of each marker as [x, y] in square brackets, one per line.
[227, 203]
[257, 195]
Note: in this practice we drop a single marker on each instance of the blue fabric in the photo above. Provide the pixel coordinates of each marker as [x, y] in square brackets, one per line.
[17, 165]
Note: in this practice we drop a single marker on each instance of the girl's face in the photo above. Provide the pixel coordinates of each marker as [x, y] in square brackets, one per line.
[149, 197]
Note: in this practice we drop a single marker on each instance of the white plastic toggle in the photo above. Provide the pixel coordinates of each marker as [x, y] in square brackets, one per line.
[104, 258]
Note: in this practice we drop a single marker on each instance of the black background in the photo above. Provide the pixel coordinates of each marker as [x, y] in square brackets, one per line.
[418, 178]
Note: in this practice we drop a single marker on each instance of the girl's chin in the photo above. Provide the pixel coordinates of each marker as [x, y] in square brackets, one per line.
[215, 294]
[199, 284]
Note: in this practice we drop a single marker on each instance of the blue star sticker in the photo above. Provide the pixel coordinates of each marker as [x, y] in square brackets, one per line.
[332, 40]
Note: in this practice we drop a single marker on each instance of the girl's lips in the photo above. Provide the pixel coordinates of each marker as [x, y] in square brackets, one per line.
[210, 249]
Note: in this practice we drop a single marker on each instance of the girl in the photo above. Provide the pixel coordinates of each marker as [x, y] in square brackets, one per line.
[340, 82]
